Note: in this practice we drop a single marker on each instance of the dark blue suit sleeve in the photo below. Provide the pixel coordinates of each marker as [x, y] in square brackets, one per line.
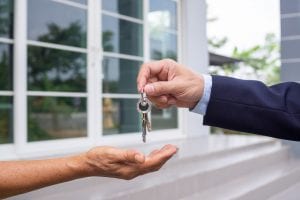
[251, 106]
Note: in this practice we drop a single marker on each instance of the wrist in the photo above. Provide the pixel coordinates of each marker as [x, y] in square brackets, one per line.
[198, 90]
[78, 164]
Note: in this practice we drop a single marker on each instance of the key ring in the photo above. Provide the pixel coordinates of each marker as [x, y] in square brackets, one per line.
[143, 105]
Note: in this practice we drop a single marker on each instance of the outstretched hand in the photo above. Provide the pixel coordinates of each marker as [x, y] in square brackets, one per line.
[18, 177]
[126, 164]
[168, 83]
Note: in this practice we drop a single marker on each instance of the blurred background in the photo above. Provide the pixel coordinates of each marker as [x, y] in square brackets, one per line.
[68, 82]
[244, 41]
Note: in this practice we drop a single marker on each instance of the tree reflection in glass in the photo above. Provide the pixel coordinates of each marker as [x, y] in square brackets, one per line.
[57, 22]
[6, 66]
[56, 118]
[57, 70]
[6, 18]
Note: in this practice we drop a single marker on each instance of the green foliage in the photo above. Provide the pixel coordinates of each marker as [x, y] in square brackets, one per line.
[5, 67]
[106, 40]
[216, 43]
[36, 133]
[263, 58]
[260, 62]
[55, 70]
[6, 11]
[58, 70]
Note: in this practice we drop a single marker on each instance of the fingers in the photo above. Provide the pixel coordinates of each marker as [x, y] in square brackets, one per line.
[151, 69]
[160, 88]
[163, 101]
[158, 158]
[154, 152]
[125, 164]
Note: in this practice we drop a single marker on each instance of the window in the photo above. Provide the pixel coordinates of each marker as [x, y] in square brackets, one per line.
[79, 85]
[57, 62]
[6, 71]
[163, 29]
[122, 34]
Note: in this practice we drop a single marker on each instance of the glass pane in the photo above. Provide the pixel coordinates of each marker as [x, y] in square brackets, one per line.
[56, 70]
[54, 22]
[132, 8]
[122, 36]
[56, 118]
[120, 75]
[120, 116]
[163, 14]
[6, 66]
[6, 120]
[6, 18]
[164, 119]
[163, 45]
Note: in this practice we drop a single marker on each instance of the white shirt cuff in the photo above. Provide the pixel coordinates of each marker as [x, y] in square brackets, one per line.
[201, 106]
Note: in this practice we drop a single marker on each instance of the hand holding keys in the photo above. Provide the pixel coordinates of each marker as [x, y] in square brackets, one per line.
[144, 107]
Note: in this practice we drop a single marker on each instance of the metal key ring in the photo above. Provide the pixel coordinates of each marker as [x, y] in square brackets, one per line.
[143, 105]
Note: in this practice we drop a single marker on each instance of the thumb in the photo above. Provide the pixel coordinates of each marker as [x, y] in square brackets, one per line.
[133, 156]
[160, 88]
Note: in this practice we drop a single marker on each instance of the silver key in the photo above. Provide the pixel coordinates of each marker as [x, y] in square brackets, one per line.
[144, 107]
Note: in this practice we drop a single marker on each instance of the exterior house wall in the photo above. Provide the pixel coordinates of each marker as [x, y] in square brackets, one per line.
[290, 48]
[290, 40]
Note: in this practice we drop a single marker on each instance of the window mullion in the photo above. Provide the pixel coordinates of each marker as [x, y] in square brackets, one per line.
[20, 75]
[94, 67]
[180, 112]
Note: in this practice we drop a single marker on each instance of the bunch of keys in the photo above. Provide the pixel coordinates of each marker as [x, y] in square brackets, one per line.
[144, 107]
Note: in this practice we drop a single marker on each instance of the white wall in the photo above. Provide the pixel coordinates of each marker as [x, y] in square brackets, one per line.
[195, 54]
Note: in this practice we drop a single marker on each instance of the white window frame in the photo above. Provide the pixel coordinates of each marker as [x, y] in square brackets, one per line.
[94, 52]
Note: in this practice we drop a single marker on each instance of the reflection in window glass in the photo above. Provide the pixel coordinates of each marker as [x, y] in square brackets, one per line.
[56, 118]
[120, 75]
[122, 36]
[6, 120]
[132, 8]
[163, 14]
[164, 119]
[120, 116]
[56, 70]
[6, 66]
[6, 18]
[54, 22]
[163, 45]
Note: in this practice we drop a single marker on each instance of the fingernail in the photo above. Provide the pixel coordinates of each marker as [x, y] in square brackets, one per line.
[149, 89]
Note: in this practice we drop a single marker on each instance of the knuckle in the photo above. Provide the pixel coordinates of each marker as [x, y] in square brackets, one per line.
[168, 61]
